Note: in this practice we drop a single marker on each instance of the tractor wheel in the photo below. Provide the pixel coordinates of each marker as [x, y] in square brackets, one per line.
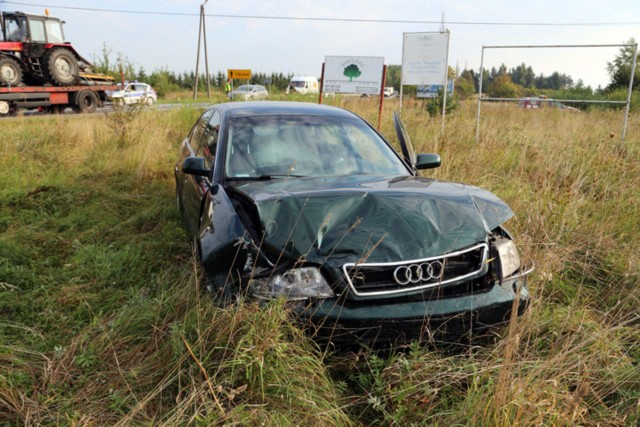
[10, 72]
[61, 67]
[86, 102]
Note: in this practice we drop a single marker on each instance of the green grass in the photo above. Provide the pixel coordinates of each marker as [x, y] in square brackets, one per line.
[102, 320]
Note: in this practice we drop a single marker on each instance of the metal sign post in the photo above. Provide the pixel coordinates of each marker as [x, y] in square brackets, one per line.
[480, 95]
[633, 73]
[444, 84]
[384, 81]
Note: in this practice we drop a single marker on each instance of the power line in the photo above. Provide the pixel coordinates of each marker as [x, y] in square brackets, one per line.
[301, 18]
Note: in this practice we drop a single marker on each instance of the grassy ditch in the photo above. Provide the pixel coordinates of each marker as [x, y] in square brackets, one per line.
[102, 320]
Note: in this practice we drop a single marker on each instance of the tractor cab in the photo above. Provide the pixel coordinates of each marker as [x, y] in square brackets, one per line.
[25, 28]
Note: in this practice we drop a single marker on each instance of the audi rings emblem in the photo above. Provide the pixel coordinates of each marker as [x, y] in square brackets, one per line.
[416, 273]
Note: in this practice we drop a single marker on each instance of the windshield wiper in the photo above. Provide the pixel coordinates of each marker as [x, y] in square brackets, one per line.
[263, 177]
[281, 175]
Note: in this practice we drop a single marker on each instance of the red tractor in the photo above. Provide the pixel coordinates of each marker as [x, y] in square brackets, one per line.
[33, 50]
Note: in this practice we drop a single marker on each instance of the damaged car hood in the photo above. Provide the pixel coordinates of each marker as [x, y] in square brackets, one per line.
[365, 218]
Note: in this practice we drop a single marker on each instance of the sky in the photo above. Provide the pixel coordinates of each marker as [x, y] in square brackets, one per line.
[165, 32]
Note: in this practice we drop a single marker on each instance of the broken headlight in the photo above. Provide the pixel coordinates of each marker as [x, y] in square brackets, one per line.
[294, 284]
[508, 255]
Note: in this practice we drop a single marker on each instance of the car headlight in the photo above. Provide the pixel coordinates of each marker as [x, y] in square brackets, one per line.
[509, 258]
[294, 284]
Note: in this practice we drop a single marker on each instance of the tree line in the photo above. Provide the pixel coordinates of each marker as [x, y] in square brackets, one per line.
[501, 82]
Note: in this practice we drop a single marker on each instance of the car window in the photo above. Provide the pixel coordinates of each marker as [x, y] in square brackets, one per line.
[199, 128]
[209, 141]
[307, 146]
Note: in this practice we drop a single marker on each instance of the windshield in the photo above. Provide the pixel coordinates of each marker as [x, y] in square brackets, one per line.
[275, 146]
[243, 88]
[297, 83]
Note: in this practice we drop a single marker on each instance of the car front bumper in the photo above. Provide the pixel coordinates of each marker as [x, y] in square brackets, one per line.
[388, 323]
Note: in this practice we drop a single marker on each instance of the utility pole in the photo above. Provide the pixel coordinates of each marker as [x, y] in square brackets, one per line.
[202, 34]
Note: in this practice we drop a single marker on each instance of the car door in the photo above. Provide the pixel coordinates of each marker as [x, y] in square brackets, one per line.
[127, 94]
[138, 94]
[194, 187]
[206, 149]
[37, 38]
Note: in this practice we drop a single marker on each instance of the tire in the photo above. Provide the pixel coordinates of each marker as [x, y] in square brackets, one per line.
[61, 67]
[149, 101]
[10, 72]
[86, 102]
[5, 107]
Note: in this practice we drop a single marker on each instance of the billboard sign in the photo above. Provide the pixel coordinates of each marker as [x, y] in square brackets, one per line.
[431, 91]
[353, 74]
[424, 58]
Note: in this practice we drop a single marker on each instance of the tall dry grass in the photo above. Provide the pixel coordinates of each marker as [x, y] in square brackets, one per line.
[102, 320]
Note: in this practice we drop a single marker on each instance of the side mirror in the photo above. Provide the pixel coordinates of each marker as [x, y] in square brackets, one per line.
[428, 161]
[195, 166]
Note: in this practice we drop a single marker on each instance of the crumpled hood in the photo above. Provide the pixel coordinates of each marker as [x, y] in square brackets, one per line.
[371, 218]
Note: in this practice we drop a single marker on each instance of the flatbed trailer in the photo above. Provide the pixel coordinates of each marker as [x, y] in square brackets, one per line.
[82, 98]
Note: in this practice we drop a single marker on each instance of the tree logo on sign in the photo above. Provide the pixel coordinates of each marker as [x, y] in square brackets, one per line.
[352, 71]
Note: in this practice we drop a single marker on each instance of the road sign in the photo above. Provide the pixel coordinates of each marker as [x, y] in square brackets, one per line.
[239, 74]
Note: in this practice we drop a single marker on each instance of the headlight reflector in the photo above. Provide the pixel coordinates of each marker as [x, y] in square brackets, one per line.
[294, 284]
[509, 258]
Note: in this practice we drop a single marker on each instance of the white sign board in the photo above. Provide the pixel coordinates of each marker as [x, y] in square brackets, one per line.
[424, 58]
[353, 74]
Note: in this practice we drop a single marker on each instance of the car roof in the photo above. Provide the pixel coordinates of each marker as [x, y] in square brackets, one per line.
[246, 109]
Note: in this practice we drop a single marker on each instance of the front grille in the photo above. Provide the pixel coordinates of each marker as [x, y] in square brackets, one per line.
[388, 278]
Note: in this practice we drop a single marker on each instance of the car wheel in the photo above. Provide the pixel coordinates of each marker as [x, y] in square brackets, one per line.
[10, 72]
[61, 67]
[150, 101]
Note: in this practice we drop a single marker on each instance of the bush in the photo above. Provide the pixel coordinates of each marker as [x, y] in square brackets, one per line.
[434, 105]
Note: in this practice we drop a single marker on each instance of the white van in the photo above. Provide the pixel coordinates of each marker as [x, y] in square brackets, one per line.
[303, 84]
